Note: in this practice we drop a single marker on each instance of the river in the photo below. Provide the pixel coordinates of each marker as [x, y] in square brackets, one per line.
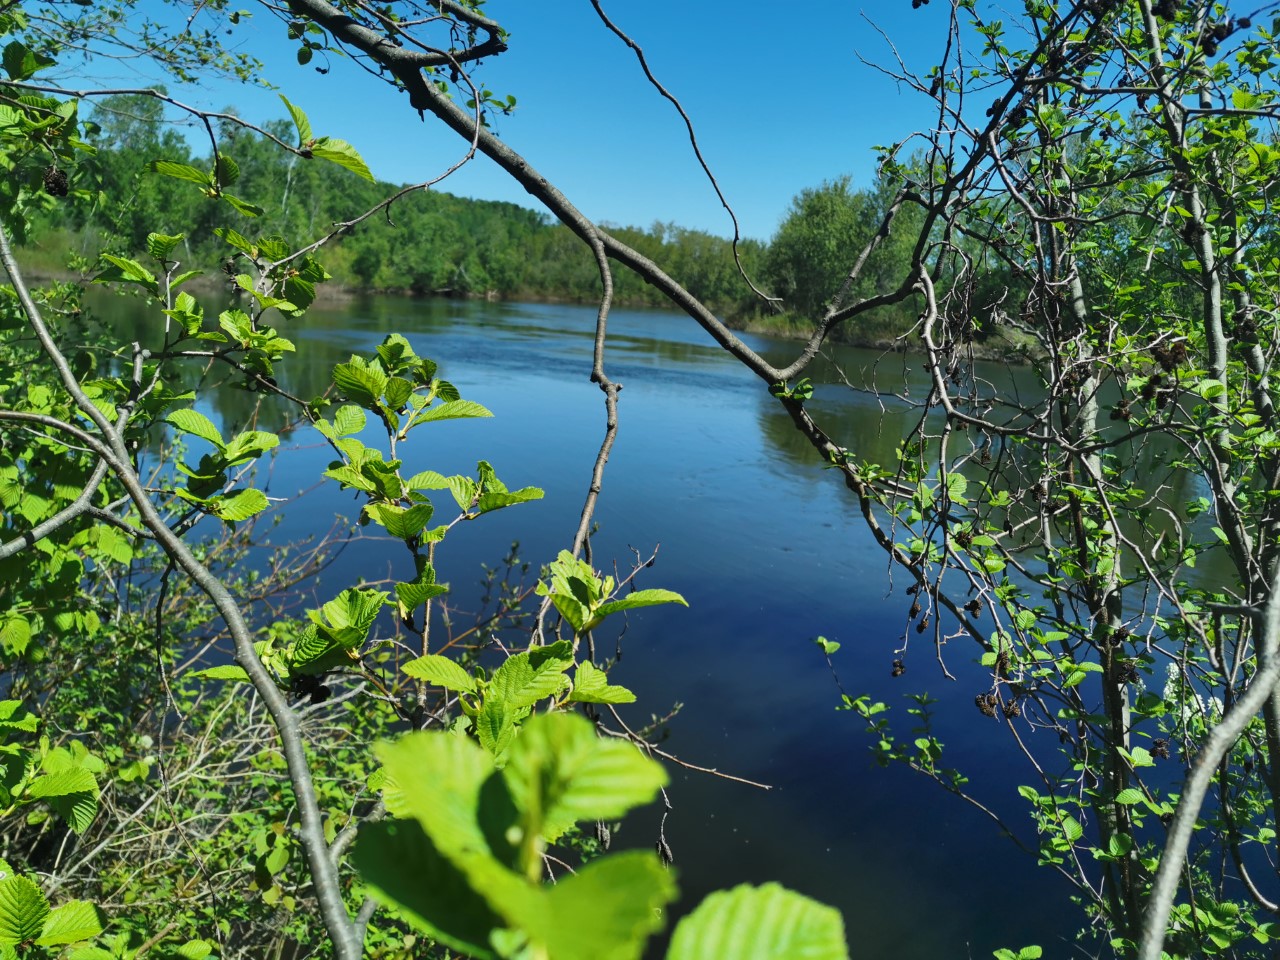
[770, 551]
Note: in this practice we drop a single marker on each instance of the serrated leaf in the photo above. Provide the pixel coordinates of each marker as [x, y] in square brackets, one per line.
[124, 270]
[249, 445]
[405, 869]
[72, 922]
[225, 171]
[227, 672]
[239, 506]
[23, 910]
[14, 716]
[560, 768]
[237, 240]
[497, 500]
[1129, 796]
[160, 245]
[414, 595]
[360, 382]
[64, 782]
[252, 210]
[436, 778]
[341, 153]
[402, 523]
[441, 671]
[591, 685]
[15, 635]
[349, 616]
[759, 923]
[194, 422]
[194, 950]
[640, 598]
[300, 121]
[452, 410]
[348, 419]
[428, 480]
[605, 911]
[181, 171]
[463, 490]
[527, 677]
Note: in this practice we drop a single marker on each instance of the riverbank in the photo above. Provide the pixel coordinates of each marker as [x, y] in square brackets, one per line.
[1008, 346]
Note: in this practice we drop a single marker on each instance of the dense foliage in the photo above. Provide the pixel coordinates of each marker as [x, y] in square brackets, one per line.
[195, 764]
[1113, 204]
[456, 246]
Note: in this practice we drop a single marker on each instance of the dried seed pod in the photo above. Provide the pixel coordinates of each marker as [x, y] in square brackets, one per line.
[1160, 748]
[1011, 709]
[899, 668]
[914, 611]
[986, 703]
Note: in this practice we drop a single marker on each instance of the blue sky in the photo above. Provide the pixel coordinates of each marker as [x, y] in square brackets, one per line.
[780, 102]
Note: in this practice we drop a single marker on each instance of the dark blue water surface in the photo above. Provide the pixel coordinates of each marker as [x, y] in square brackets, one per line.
[770, 550]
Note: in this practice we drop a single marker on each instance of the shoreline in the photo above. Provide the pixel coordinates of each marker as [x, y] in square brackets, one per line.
[998, 349]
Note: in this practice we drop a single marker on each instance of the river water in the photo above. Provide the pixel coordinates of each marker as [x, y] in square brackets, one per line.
[770, 551]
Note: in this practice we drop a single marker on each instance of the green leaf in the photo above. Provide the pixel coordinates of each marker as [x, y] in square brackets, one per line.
[21, 62]
[195, 950]
[197, 424]
[237, 240]
[181, 171]
[23, 910]
[300, 121]
[1129, 796]
[240, 506]
[225, 171]
[348, 419]
[559, 767]
[227, 672]
[452, 410]
[249, 445]
[525, 678]
[441, 671]
[349, 616]
[640, 598]
[14, 716]
[414, 595]
[404, 868]
[72, 922]
[360, 382]
[253, 210]
[606, 911]
[124, 270]
[65, 782]
[400, 522]
[76, 807]
[759, 923]
[591, 685]
[160, 245]
[15, 635]
[496, 500]
[828, 646]
[436, 778]
[341, 153]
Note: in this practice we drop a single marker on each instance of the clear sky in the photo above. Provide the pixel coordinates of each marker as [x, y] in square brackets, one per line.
[780, 102]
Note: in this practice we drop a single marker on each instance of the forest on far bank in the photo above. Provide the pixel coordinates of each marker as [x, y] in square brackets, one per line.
[431, 242]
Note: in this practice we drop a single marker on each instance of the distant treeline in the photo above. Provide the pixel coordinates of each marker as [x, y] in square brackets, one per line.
[437, 243]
